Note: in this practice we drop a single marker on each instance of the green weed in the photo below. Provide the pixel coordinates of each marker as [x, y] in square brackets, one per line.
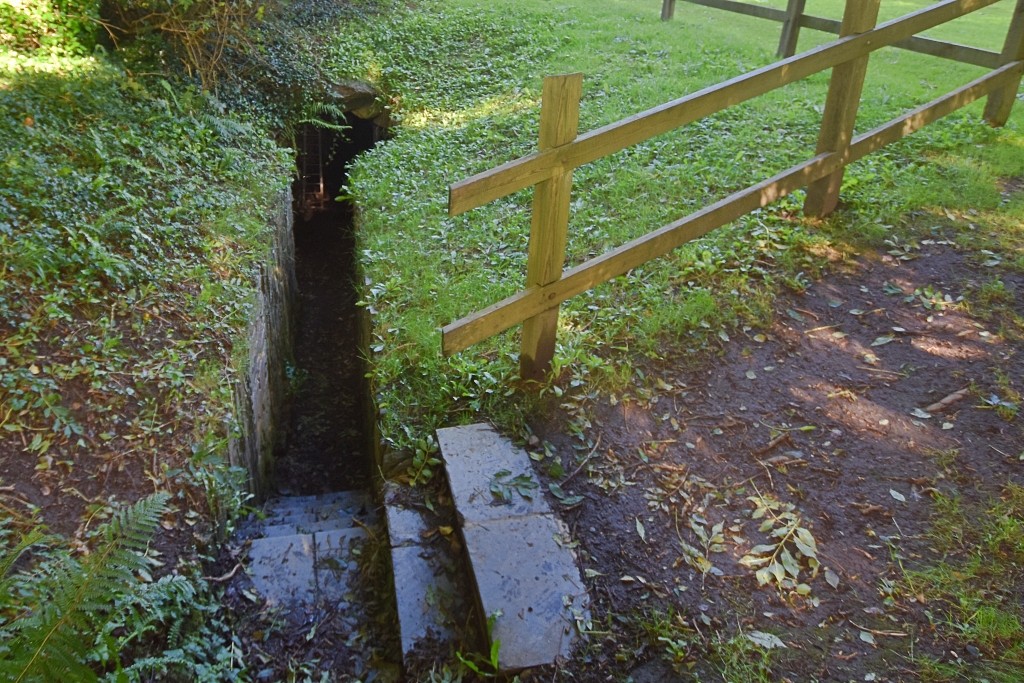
[971, 592]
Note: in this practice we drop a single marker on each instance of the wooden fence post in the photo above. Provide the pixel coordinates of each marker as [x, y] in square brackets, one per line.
[668, 9]
[559, 123]
[791, 28]
[1000, 102]
[841, 105]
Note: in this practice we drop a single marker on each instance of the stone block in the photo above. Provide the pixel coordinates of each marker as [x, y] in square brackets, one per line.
[424, 595]
[533, 581]
[281, 569]
[473, 455]
[335, 561]
[404, 526]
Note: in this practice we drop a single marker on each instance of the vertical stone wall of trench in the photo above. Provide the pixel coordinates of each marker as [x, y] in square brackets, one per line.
[261, 393]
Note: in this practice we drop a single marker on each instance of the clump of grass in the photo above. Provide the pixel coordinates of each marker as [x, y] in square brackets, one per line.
[971, 593]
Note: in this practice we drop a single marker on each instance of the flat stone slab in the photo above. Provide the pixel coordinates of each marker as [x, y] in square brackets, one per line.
[306, 511]
[534, 582]
[281, 569]
[521, 571]
[335, 562]
[424, 595]
[405, 526]
[473, 456]
[301, 568]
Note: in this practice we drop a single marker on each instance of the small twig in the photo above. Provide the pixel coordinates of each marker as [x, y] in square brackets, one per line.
[999, 451]
[810, 313]
[823, 327]
[583, 464]
[957, 395]
[367, 529]
[892, 634]
[227, 577]
[890, 372]
[785, 436]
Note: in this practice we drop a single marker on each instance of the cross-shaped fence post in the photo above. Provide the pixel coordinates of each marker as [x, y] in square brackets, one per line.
[1000, 102]
[844, 90]
[559, 123]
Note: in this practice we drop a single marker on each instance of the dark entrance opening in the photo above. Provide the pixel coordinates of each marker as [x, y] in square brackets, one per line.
[327, 434]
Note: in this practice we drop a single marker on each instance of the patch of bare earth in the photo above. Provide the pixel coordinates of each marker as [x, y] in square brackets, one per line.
[826, 414]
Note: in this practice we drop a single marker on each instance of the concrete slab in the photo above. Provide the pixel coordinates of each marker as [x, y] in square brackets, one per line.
[282, 569]
[404, 526]
[533, 581]
[279, 530]
[335, 561]
[350, 501]
[473, 455]
[424, 595]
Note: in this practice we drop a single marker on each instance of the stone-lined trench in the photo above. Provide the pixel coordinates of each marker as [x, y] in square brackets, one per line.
[328, 440]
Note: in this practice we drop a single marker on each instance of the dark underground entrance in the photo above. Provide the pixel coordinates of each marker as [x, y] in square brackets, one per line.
[328, 435]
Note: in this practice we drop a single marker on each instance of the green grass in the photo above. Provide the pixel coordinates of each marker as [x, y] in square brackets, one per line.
[427, 270]
[132, 227]
[971, 594]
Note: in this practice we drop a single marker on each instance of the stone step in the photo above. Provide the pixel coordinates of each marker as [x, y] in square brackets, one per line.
[287, 510]
[426, 591]
[302, 569]
[306, 526]
[519, 550]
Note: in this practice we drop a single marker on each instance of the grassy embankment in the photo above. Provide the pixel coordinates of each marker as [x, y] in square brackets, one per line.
[133, 220]
[428, 269]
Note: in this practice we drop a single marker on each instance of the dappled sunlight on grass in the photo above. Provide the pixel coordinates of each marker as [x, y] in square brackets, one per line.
[502, 105]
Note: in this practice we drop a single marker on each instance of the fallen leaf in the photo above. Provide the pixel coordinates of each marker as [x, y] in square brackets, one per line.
[856, 311]
[834, 303]
[794, 315]
[897, 495]
[917, 412]
[769, 641]
[723, 336]
[867, 637]
[838, 335]
[832, 578]
[760, 338]
[640, 530]
[751, 374]
[882, 341]
[591, 573]
[947, 425]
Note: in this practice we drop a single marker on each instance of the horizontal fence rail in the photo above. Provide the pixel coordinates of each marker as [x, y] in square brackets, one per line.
[550, 169]
[517, 175]
[793, 19]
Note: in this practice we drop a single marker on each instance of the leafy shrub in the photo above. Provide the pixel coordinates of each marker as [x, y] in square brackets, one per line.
[53, 25]
[69, 618]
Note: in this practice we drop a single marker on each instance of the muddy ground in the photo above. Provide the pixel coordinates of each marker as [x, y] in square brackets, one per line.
[824, 414]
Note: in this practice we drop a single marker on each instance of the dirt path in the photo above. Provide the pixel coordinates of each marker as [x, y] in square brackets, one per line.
[819, 423]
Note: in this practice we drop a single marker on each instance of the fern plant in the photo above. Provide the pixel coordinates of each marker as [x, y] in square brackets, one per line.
[59, 608]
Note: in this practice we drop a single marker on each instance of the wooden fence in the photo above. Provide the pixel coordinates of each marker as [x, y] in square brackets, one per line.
[561, 150]
[793, 19]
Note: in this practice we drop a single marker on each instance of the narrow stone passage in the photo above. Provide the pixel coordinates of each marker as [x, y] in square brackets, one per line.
[327, 440]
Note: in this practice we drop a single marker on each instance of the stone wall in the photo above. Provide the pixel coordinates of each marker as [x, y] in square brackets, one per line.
[261, 395]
